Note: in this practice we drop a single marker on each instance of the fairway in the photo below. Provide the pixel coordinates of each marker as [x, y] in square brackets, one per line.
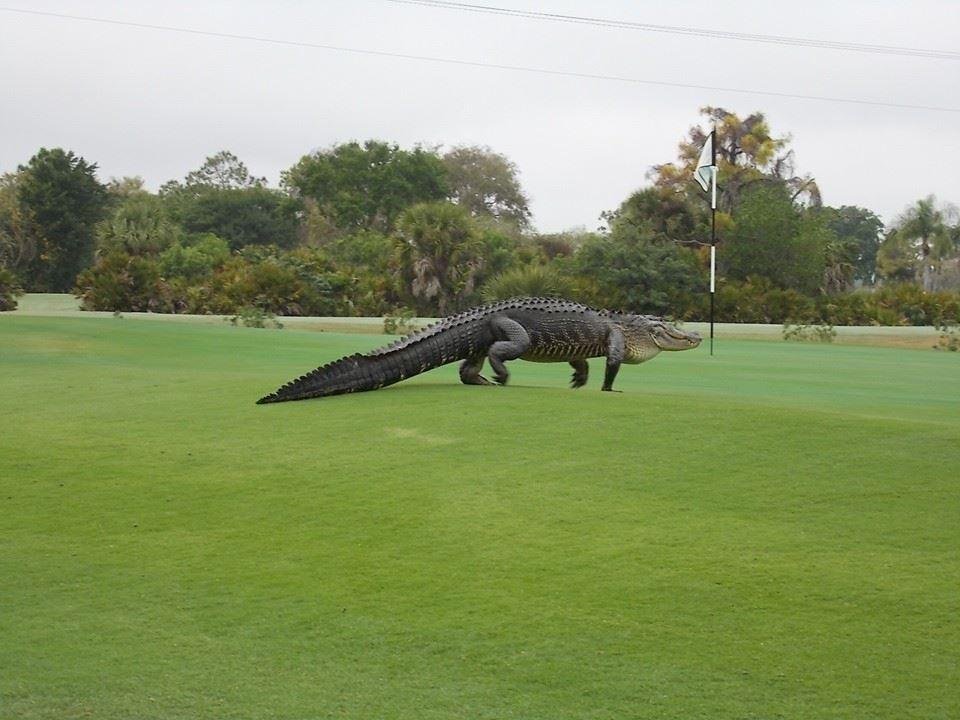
[773, 532]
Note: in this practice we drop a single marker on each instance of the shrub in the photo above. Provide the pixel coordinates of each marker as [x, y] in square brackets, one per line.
[10, 289]
[524, 281]
[124, 282]
[255, 317]
[949, 336]
[757, 300]
[401, 321]
[818, 333]
[194, 260]
[916, 307]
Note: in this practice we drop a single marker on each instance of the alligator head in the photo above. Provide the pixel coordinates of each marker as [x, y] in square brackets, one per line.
[647, 335]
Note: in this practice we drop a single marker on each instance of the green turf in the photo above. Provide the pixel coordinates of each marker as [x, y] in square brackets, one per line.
[770, 533]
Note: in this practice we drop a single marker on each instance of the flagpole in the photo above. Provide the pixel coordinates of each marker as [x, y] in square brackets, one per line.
[713, 230]
[700, 176]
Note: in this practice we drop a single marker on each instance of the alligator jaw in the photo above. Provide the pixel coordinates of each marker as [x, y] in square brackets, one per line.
[668, 337]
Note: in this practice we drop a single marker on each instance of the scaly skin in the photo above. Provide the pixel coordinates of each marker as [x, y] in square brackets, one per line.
[537, 329]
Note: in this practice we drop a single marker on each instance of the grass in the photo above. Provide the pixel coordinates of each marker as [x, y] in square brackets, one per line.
[769, 533]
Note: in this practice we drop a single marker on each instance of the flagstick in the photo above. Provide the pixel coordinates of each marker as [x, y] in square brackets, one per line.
[713, 233]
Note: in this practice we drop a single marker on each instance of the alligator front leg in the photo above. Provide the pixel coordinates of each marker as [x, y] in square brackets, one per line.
[580, 371]
[615, 349]
[470, 371]
[515, 343]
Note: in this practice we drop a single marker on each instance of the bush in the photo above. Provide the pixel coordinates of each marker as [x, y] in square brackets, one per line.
[758, 301]
[122, 282]
[949, 336]
[256, 318]
[401, 321]
[917, 307]
[817, 333]
[194, 260]
[527, 281]
[10, 289]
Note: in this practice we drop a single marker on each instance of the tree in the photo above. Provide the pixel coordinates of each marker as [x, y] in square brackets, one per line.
[63, 196]
[486, 184]
[631, 268]
[223, 171]
[897, 258]
[139, 224]
[747, 155]
[923, 223]
[663, 214]
[242, 216]
[20, 239]
[773, 238]
[441, 255]
[365, 187]
[222, 198]
[858, 232]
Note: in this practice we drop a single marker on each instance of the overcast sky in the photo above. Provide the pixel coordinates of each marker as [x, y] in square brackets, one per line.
[155, 103]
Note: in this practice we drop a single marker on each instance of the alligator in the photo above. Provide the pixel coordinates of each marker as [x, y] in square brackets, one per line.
[533, 328]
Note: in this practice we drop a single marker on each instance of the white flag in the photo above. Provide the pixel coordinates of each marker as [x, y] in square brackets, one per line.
[705, 170]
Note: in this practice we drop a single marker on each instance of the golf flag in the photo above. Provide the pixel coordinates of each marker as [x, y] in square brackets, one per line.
[706, 171]
[706, 176]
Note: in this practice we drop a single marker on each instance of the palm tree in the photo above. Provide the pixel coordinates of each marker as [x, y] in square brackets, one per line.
[442, 254]
[923, 222]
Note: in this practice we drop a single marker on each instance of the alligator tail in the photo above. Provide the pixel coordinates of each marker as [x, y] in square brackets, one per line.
[358, 373]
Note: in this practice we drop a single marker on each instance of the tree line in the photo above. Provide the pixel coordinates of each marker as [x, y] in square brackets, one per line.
[375, 229]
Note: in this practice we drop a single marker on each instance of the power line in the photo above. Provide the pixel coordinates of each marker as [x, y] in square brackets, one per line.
[690, 31]
[476, 64]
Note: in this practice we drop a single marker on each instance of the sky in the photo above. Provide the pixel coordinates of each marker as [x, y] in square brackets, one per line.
[155, 103]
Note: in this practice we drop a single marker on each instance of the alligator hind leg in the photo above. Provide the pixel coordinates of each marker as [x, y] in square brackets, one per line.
[515, 343]
[580, 372]
[470, 371]
[616, 344]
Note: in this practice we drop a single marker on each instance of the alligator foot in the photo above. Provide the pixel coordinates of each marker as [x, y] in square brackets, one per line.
[580, 372]
[476, 380]
[470, 372]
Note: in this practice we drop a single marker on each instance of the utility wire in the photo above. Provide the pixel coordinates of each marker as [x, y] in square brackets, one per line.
[475, 64]
[691, 31]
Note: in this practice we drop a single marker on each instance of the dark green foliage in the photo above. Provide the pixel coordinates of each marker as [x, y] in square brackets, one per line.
[366, 187]
[662, 214]
[241, 216]
[627, 270]
[528, 281]
[10, 288]
[122, 282]
[757, 300]
[138, 224]
[65, 200]
[775, 239]
[442, 256]
[859, 231]
[275, 282]
[195, 259]
[917, 307]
